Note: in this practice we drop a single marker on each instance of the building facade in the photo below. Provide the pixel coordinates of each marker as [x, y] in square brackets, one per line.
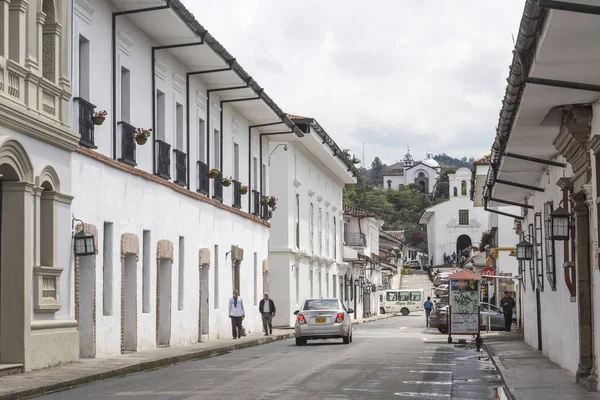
[305, 244]
[422, 173]
[455, 224]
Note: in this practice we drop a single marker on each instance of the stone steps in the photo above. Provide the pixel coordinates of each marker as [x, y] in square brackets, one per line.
[10, 369]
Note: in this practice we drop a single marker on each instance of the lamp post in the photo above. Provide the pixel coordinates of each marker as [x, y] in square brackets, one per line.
[560, 222]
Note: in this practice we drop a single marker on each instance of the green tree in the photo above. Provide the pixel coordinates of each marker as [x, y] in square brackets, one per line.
[377, 170]
[442, 187]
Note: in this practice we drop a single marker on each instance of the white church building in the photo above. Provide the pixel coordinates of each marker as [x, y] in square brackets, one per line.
[456, 223]
[403, 173]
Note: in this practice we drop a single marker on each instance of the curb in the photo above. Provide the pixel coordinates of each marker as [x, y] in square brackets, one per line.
[154, 364]
[502, 370]
[139, 367]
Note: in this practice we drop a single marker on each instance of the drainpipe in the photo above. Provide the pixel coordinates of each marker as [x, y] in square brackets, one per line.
[114, 64]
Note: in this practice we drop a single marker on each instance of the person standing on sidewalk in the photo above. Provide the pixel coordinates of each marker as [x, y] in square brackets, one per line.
[428, 306]
[508, 304]
[236, 314]
[266, 307]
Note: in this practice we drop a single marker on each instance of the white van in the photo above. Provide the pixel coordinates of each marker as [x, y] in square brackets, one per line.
[402, 301]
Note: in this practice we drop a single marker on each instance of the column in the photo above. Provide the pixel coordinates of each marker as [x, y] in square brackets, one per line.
[17, 30]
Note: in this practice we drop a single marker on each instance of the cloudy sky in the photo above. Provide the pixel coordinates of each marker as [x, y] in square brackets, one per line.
[387, 73]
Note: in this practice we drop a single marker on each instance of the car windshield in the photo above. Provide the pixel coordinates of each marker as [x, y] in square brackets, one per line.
[320, 304]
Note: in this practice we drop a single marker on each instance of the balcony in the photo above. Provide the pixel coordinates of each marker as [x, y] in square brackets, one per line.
[237, 195]
[218, 187]
[127, 144]
[163, 159]
[266, 213]
[180, 167]
[203, 180]
[256, 203]
[355, 239]
[86, 125]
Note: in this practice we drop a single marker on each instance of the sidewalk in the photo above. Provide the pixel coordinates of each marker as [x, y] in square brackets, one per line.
[95, 369]
[528, 374]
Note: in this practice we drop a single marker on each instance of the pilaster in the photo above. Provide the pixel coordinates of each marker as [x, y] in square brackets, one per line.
[4, 34]
[17, 31]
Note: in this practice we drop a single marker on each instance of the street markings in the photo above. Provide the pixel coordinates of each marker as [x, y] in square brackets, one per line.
[421, 394]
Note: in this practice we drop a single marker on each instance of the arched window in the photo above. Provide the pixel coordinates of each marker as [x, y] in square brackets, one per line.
[421, 174]
[50, 41]
[455, 191]
[389, 182]
[463, 188]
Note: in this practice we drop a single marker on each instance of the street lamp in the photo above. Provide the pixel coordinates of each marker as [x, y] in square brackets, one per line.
[525, 250]
[83, 242]
[560, 221]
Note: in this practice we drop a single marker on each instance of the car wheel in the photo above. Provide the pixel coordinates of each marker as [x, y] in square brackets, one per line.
[381, 310]
[405, 311]
[300, 341]
[514, 326]
[347, 339]
[443, 330]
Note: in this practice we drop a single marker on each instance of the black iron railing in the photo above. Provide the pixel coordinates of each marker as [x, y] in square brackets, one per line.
[266, 213]
[354, 239]
[163, 159]
[237, 195]
[86, 125]
[256, 203]
[180, 167]
[127, 143]
[218, 187]
[203, 180]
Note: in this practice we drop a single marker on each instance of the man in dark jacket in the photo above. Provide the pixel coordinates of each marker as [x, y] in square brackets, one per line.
[266, 307]
[508, 304]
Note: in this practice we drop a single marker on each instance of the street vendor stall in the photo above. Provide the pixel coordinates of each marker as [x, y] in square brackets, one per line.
[463, 313]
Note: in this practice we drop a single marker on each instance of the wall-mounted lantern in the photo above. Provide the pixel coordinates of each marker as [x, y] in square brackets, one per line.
[362, 281]
[560, 222]
[356, 282]
[83, 242]
[525, 250]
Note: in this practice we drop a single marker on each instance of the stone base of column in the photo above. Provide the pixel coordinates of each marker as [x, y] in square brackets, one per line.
[587, 378]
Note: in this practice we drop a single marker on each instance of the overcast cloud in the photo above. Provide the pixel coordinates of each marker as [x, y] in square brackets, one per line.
[426, 74]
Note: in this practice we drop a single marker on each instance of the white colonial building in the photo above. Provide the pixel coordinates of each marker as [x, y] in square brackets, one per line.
[307, 176]
[455, 224]
[423, 173]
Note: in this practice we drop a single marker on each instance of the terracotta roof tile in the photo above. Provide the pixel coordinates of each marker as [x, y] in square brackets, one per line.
[292, 116]
[483, 160]
[357, 211]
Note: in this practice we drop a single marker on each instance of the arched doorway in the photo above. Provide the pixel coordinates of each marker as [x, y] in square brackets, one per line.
[462, 243]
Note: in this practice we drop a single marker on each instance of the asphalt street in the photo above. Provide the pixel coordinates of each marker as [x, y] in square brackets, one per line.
[388, 359]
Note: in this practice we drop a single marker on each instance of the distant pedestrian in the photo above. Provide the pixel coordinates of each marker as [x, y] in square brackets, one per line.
[428, 306]
[508, 304]
[237, 314]
[266, 307]
[445, 258]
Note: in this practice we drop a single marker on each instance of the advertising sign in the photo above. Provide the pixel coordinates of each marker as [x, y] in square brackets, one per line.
[464, 306]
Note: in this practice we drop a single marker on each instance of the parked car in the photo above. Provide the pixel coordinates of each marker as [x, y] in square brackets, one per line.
[414, 264]
[441, 290]
[323, 319]
[442, 302]
[441, 278]
[439, 318]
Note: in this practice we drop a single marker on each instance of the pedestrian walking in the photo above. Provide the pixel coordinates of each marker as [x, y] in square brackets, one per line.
[236, 314]
[508, 304]
[428, 306]
[266, 307]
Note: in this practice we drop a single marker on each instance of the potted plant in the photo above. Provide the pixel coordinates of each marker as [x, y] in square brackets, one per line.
[213, 173]
[226, 181]
[244, 189]
[271, 201]
[141, 135]
[98, 117]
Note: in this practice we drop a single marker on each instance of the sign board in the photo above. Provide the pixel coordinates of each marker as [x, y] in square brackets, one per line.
[464, 306]
[489, 271]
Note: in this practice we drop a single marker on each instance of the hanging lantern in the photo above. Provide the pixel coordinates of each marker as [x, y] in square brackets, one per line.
[524, 251]
[560, 220]
[84, 244]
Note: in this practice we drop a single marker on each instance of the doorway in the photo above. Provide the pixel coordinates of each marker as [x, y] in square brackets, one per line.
[164, 302]
[204, 296]
[130, 303]
[87, 268]
[462, 243]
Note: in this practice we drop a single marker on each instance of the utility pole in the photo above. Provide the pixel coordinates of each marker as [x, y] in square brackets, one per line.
[364, 199]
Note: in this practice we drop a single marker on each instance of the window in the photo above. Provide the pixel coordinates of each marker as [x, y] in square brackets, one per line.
[327, 249]
[160, 115]
[335, 243]
[255, 174]
[146, 251]
[201, 141]
[389, 183]
[84, 68]
[391, 296]
[334, 285]
[538, 247]
[321, 304]
[255, 278]
[125, 94]
[264, 180]
[455, 191]
[216, 277]
[179, 141]
[107, 270]
[217, 150]
[463, 217]
[181, 281]
[236, 162]
[403, 296]
[463, 188]
[320, 231]
[311, 228]
[415, 296]
[297, 221]
[550, 259]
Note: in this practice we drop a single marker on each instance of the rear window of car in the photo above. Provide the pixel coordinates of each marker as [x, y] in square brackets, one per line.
[320, 304]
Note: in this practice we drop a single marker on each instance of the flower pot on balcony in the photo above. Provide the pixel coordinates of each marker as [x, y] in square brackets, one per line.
[226, 183]
[243, 190]
[272, 203]
[213, 175]
[98, 120]
[141, 139]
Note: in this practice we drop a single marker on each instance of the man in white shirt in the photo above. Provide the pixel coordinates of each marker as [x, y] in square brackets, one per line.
[237, 314]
